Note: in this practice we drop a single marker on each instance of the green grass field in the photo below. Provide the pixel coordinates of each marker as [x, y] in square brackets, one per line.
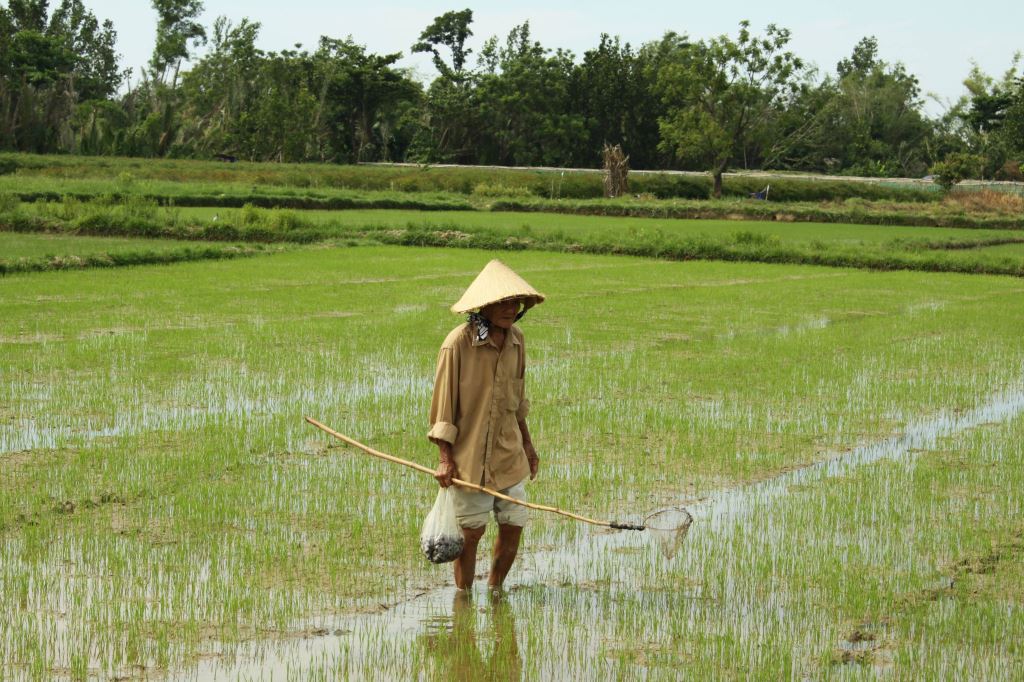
[607, 227]
[537, 182]
[1011, 250]
[165, 509]
[308, 187]
[15, 245]
[836, 244]
[40, 252]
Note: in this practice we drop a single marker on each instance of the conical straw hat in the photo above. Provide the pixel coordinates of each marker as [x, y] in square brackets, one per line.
[496, 282]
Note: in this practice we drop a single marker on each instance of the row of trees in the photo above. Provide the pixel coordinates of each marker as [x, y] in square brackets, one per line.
[742, 100]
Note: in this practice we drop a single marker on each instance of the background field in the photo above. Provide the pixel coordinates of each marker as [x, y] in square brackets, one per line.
[37, 252]
[311, 186]
[865, 246]
[608, 227]
[491, 180]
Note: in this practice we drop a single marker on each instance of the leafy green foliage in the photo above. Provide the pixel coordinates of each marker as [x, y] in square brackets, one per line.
[47, 65]
[524, 104]
[450, 30]
[720, 92]
[957, 167]
[710, 105]
[177, 32]
[613, 89]
[866, 121]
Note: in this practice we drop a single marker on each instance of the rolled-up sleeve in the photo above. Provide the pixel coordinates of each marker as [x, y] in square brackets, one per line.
[446, 396]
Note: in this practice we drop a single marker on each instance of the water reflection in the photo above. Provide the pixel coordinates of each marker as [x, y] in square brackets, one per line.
[459, 648]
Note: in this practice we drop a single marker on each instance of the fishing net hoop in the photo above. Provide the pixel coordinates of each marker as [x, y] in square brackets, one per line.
[668, 527]
[668, 520]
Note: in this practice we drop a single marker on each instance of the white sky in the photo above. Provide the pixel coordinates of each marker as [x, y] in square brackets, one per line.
[935, 39]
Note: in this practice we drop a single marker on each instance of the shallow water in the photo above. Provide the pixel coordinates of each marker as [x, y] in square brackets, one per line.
[223, 396]
[570, 582]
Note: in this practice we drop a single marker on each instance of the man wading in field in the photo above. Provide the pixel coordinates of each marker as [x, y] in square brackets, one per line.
[478, 416]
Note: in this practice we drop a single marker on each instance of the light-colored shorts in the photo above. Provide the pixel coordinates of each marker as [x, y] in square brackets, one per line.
[473, 508]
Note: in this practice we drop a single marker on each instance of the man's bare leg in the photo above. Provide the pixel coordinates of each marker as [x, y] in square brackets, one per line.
[505, 549]
[465, 565]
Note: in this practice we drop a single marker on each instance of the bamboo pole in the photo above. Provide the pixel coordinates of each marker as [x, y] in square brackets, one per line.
[466, 484]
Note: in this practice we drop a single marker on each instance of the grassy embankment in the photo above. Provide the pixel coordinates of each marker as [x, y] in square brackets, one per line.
[162, 494]
[482, 181]
[834, 244]
[131, 197]
[26, 252]
[829, 205]
[821, 199]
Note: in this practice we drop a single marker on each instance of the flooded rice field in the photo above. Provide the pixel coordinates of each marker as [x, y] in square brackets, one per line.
[606, 578]
[849, 447]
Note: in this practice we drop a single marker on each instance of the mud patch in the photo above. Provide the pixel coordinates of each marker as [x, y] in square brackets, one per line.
[643, 654]
[865, 644]
[110, 331]
[410, 308]
[335, 314]
[863, 654]
[30, 339]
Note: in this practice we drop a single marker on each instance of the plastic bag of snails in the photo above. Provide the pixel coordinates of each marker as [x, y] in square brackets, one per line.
[441, 538]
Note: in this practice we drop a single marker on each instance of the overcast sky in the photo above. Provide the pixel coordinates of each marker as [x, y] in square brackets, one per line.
[936, 40]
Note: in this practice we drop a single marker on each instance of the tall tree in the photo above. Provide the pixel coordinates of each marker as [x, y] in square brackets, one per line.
[450, 30]
[220, 90]
[363, 97]
[994, 114]
[29, 15]
[879, 113]
[339, 103]
[48, 64]
[525, 112]
[613, 89]
[719, 94]
[866, 119]
[177, 33]
[448, 128]
[95, 72]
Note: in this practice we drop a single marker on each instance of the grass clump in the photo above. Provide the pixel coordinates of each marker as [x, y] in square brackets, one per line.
[498, 190]
[852, 210]
[987, 201]
[9, 203]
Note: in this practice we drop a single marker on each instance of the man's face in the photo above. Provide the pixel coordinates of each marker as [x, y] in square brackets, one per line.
[503, 313]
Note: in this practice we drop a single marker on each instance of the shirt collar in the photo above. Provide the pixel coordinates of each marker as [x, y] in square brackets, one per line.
[509, 336]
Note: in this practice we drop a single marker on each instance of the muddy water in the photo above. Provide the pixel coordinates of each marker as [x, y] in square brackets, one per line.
[191, 406]
[566, 594]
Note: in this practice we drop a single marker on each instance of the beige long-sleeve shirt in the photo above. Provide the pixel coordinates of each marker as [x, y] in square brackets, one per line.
[479, 400]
